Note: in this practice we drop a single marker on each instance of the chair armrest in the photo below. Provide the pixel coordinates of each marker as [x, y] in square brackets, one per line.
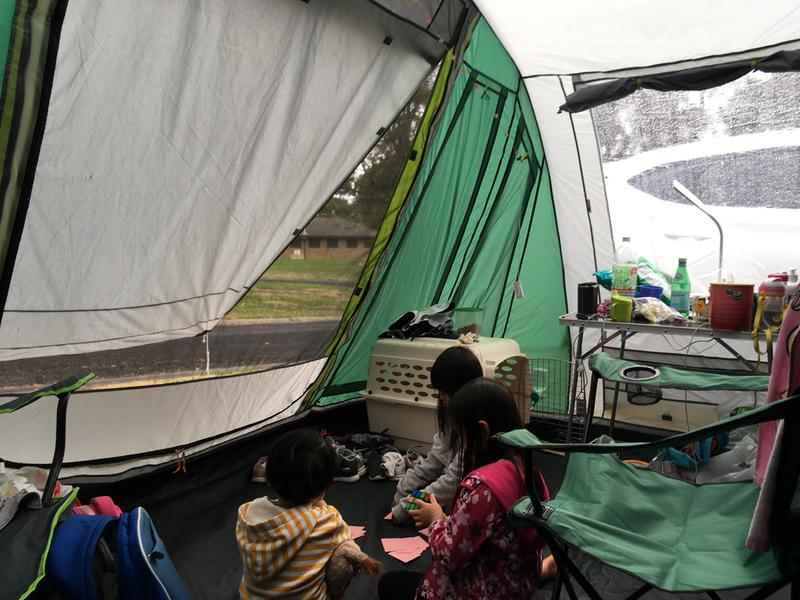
[781, 409]
[610, 369]
[65, 386]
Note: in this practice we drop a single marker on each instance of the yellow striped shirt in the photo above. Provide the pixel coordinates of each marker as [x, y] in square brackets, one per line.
[284, 550]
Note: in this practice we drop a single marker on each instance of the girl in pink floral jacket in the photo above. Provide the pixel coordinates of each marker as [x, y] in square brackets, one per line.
[477, 553]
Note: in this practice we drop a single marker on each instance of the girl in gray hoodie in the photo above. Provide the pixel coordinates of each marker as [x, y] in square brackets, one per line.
[439, 473]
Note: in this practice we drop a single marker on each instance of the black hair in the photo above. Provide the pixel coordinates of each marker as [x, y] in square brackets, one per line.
[452, 369]
[300, 466]
[482, 400]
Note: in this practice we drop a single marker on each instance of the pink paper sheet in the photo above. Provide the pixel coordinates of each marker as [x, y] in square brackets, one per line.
[405, 557]
[357, 531]
[427, 531]
[388, 517]
[404, 549]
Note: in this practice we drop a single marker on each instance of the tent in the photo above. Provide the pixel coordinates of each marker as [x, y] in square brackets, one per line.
[158, 157]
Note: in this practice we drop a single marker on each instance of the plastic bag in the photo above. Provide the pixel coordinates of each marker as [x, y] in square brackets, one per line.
[649, 275]
[604, 278]
[734, 465]
[656, 311]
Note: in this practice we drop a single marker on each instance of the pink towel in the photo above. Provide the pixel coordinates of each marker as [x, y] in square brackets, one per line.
[784, 379]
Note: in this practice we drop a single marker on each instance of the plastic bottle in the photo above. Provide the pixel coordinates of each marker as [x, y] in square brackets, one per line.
[624, 271]
[770, 301]
[625, 254]
[792, 284]
[681, 289]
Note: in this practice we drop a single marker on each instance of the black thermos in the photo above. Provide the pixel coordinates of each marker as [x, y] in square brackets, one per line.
[588, 299]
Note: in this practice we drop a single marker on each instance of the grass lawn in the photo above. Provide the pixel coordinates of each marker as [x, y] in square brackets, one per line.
[346, 271]
[277, 300]
[280, 299]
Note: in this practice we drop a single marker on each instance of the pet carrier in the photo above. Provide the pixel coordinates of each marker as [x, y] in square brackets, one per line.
[400, 398]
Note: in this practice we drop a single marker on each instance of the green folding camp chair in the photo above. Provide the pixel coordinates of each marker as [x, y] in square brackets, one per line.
[670, 534]
[25, 541]
[645, 383]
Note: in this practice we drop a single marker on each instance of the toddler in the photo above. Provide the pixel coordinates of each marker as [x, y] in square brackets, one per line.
[295, 545]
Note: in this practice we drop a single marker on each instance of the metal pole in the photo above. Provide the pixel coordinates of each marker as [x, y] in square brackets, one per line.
[572, 400]
[58, 452]
[208, 353]
[683, 191]
[616, 390]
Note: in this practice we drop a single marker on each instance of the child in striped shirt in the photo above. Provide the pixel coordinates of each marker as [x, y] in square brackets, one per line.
[286, 542]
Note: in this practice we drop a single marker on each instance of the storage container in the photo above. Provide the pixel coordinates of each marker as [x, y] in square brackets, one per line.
[732, 306]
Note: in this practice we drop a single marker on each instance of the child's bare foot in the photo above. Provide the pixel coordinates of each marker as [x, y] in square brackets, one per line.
[549, 568]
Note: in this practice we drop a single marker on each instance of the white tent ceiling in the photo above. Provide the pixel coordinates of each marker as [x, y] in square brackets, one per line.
[585, 36]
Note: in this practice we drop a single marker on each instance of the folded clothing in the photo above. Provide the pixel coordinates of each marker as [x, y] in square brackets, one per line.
[23, 488]
[100, 505]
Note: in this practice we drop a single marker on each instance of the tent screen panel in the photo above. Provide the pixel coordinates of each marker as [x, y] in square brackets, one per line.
[736, 147]
[175, 210]
[292, 310]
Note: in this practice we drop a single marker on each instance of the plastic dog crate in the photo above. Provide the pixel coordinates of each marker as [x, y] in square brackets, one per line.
[400, 398]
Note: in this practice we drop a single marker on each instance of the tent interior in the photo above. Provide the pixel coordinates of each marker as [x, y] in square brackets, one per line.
[218, 208]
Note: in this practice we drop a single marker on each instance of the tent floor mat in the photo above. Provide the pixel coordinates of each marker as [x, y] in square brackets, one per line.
[613, 584]
[195, 514]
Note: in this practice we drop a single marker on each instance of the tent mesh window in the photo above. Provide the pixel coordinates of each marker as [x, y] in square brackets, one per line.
[553, 417]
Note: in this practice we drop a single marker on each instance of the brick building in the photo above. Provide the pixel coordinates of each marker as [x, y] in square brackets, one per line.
[331, 237]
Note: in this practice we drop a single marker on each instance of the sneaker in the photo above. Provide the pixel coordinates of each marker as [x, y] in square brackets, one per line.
[348, 465]
[374, 471]
[393, 465]
[260, 471]
[362, 464]
[369, 440]
[412, 458]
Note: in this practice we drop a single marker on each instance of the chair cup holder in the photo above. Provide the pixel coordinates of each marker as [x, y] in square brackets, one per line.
[638, 393]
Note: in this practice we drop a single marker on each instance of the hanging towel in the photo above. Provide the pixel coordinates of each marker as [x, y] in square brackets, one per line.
[785, 378]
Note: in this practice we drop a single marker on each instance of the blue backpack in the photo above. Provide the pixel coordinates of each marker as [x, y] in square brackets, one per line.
[100, 557]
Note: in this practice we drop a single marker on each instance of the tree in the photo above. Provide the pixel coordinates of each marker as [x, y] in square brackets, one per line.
[364, 196]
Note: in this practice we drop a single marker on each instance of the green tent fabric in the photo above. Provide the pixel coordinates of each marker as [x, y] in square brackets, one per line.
[387, 227]
[609, 368]
[478, 218]
[661, 542]
[27, 64]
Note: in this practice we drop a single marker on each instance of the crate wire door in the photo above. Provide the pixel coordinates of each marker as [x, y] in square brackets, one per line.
[558, 414]
[541, 388]
[514, 373]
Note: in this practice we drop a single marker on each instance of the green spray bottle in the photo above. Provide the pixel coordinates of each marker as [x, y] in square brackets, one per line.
[681, 289]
